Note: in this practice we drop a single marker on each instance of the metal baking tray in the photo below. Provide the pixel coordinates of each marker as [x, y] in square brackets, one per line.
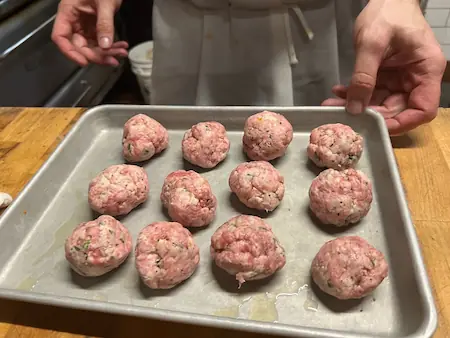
[33, 230]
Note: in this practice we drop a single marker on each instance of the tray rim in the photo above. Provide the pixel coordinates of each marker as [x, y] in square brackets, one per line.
[430, 319]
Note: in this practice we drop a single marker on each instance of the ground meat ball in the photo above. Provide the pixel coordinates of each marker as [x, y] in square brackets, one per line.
[188, 198]
[348, 268]
[118, 189]
[258, 185]
[340, 197]
[143, 137]
[266, 136]
[335, 146]
[206, 144]
[245, 246]
[97, 247]
[166, 255]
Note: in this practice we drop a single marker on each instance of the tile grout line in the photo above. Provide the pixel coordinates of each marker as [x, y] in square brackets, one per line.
[432, 22]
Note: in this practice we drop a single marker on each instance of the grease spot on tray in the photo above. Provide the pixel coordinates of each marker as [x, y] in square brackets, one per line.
[28, 283]
[263, 307]
[232, 312]
[32, 281]
[100, 297]
[59, 239]
[310, 303]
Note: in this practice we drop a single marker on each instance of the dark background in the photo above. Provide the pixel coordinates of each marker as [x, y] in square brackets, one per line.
[136, 17]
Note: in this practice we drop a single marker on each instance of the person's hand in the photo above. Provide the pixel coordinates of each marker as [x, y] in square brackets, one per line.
[399, 66]
[84, 31]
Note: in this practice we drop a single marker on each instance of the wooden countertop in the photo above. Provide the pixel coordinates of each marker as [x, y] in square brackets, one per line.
[28, 136]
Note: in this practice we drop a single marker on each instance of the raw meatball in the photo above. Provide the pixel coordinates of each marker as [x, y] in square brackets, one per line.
[348, 268]
[97, 247]
[245, 246]
[258, 185]
[166, 255]
[143, 137]
[188, 198]
[340, 197]
[206, 144]
[335, 146]
[266, 136]
[118, 189]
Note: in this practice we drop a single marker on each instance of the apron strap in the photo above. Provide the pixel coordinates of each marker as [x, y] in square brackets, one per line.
[291, 5]
[287, 24]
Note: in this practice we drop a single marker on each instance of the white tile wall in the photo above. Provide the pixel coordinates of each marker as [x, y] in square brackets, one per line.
[442, 35]
[446, 49]
[438, 16]
[438, 4]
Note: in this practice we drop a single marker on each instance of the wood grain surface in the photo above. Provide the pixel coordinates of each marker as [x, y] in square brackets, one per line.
[28, 136]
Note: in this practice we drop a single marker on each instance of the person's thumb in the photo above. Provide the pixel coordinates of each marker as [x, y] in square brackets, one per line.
[369, 55]
[105, 23]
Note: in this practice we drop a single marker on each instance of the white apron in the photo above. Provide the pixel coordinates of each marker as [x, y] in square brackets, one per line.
[251, 52]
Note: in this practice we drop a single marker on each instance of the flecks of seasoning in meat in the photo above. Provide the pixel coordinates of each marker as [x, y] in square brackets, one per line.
[86, 244]
[143, 133]
[266, 136]
[340, 197]
[165, 255]
[118, 189]
[232, 225]
[188, 198]
[257, 184]
[337, 145]
[231, 246]
[92, 251]
[205, 144]
[344, 263]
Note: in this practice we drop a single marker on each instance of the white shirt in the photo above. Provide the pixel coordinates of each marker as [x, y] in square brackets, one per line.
[251, 52]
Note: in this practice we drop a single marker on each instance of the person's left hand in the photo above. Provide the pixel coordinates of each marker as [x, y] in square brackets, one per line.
[399, 66]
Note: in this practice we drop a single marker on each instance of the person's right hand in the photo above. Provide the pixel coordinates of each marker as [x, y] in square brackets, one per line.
[84, 31]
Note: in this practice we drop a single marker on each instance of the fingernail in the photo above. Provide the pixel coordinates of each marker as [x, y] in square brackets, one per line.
[354, 107]
[105, 42]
